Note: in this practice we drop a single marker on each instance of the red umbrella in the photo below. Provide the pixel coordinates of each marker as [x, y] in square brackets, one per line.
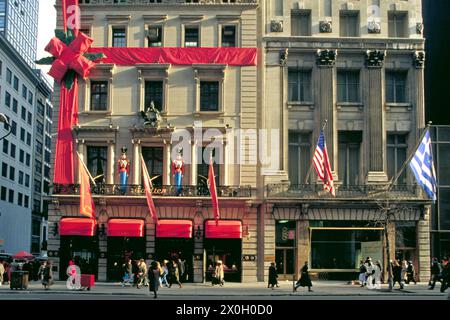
[23, 255]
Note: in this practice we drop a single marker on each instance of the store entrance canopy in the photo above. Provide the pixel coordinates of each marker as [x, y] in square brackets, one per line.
[225, 229]
[125, 228]
[174, 229]
[77, 227]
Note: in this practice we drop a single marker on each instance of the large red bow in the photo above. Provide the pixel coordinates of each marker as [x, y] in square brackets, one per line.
[70, 56]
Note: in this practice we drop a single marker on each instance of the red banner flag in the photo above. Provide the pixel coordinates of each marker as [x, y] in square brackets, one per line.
[87, 206]
[213, 190]
[148, 191]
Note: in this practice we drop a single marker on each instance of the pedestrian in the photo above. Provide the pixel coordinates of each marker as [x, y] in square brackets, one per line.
[154, 275]
[272, 276]
[445, 274]
[404, 270]
[165, 272]
[362, 273]
[2, 271]
[182, 269]
[305, 280]
[174, 274]
[218, 277]
[397, 274]
[435, 273]
[47, 275]
[410, 273]
[127, 271]
[377, 275]
[135, 269]
[370, 273]
[142, 266]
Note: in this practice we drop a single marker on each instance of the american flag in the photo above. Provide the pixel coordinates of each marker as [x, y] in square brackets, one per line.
[322, 164]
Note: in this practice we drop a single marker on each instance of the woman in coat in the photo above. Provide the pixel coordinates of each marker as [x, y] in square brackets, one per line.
[154, 273]
[174, 274]
[304, 280]
[397, 274]
[272, 276]
[47, 275]
[218, 274]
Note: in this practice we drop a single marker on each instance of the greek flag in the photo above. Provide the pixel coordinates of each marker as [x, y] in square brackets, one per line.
[423, 167]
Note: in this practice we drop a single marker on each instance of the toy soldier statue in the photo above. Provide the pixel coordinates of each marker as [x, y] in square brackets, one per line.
[178, 171]
[124, 169]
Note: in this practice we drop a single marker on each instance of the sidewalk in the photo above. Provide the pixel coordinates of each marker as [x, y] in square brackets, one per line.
[320, 288]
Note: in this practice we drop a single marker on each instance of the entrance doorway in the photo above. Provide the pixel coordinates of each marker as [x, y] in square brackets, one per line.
[120, 250]
[227, 250]
[177, 248]
[284, 249]
[284, 259]
[83, 250]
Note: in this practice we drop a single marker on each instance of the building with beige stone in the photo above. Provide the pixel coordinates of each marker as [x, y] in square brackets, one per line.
[358, 65]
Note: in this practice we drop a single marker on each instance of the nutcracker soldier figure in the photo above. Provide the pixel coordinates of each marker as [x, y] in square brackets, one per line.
[178, 171]
[123, 169]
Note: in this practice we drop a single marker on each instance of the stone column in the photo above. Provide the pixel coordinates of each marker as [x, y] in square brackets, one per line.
[136, 161]
[423, 245]
[375, 117]
[225, 162]
[303, 245]
[80, 147]
[111, 163]
[167, 163]
[326, 97]
[419, 62]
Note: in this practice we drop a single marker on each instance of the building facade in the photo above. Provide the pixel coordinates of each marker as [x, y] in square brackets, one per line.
[19, 25]
[20, 89]
[354, 68]
[195, 100]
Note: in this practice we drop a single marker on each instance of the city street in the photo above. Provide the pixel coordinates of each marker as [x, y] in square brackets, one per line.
[323, 290]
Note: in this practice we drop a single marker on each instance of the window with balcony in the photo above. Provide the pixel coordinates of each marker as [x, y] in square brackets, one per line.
[203, 156]
[209, 95]
[349, 144]
[301, 23]
[154, 36]
[229, 36]
[99, 95]
[299, 157]
[299, 85]
[348, 86]
[97, 160]
[397, 147]
[398, 24]
[396, 89]
[191, 36]
[119, 37]
[154, 160]
[154, 92]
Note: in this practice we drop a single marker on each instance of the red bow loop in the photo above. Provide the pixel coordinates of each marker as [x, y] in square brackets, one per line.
[55, 47]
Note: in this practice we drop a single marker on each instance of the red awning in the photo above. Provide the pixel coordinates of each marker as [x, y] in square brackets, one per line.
[77, 227]
[226, 229]
[174, 229]
[125, 228]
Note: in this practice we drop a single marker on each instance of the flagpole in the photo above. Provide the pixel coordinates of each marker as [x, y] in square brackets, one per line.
[312, 159]
[419, 141]
[84, 165]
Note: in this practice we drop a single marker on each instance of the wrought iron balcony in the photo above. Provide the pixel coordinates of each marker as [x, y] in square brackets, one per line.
[373, 192]
[170, 2]
[157, 191]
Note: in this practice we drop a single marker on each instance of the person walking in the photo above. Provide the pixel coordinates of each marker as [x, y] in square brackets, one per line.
[362, 273]
[47, 275]
[142, 272]
[410, 273]
[218, 277]
[127, 271]
[370, 273]
[305, 280]
[435, 273]
[174, 274]
[164, 274]
[404, 266]
[445, 274]
[182, 269]
[377, 275]
[135, 269]
[154, 275]
[2, 271]
[273, 281]
[397, 274]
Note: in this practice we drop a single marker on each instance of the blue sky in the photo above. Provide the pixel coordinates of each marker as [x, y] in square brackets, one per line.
[46, 28]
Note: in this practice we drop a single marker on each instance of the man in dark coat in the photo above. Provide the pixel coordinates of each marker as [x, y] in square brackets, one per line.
[445, 275]
[304, 280]
[272, 276]
[154, 273]
[435, 273]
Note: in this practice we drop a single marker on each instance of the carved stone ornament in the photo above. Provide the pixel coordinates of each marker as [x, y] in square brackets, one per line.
[419, 28]
[284, 56]
[419, 59]
[325, 26]
[374, 27]
[375, 58]
[326, 57]
[151, 116]
[276, 26]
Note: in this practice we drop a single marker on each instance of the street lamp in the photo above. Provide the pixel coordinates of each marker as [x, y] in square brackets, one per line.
[4, 119]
